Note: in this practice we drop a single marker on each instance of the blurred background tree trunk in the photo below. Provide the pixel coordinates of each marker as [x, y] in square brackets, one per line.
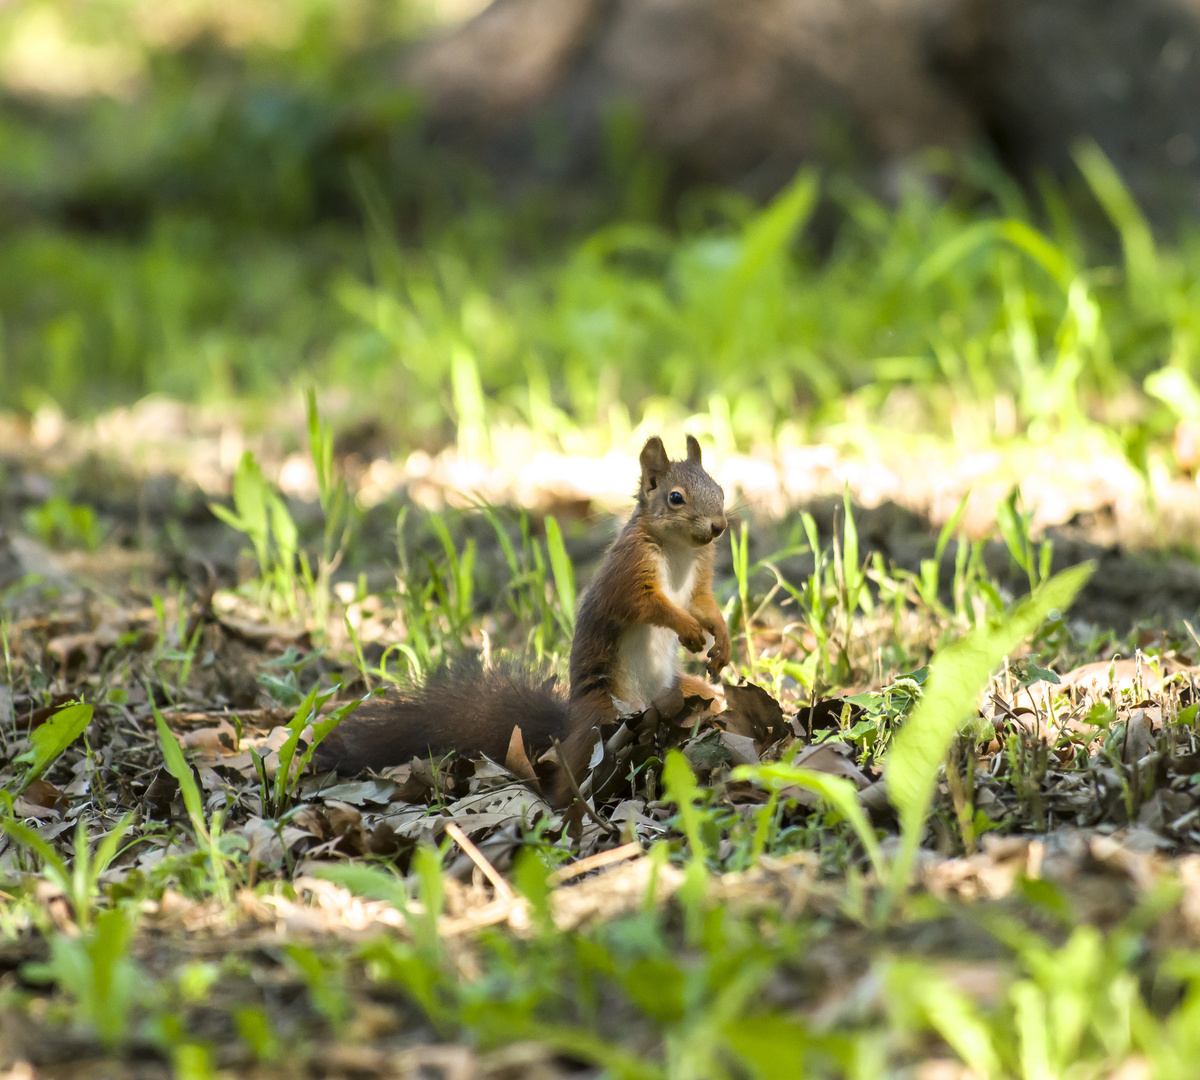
[745, 93]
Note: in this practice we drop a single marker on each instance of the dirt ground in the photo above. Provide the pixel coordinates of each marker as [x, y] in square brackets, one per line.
[1105, 819]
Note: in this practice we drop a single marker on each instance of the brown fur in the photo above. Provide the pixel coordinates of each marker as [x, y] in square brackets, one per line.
[474, 710]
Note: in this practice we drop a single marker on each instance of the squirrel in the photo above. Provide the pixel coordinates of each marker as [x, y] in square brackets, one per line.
[653, 591]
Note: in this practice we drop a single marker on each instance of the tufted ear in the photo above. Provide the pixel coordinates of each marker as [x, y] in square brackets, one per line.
[654, 462]
[693, 449]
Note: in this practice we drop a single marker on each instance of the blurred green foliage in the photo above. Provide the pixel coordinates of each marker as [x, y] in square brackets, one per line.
[60, 523]
[246, 196]
[180, 231]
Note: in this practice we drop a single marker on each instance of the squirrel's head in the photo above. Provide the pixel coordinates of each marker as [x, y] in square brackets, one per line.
[680, 502]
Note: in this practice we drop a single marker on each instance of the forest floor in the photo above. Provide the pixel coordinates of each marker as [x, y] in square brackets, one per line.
[721, 913]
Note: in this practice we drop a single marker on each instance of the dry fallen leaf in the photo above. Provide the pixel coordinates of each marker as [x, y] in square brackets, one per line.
[741, 748]
[221, 739]
[752, 712]
[516, 761]
[835, 758]
[1098, 675]
[44, 794]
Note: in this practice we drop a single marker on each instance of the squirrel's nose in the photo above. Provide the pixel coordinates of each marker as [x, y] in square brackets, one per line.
[718, 527]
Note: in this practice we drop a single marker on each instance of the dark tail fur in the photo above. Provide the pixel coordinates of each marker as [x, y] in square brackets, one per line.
[462, 707]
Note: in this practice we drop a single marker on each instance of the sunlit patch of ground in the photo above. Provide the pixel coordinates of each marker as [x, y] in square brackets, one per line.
[1081, 478]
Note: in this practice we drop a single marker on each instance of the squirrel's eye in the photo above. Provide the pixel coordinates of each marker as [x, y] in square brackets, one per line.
[675, 498]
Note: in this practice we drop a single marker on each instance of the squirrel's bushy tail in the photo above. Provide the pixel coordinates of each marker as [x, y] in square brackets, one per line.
[461, 707]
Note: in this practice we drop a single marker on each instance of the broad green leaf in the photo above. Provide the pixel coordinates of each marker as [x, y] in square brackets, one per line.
[428, 868]
[250, 497]
[532, 881]
[223, 513]
[113, 976]
[287, 536]
[680, 784]
[51, 738]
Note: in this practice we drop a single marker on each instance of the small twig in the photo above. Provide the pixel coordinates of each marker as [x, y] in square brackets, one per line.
[595, 862]
[502, 887]
[999, 703]
[607, 826]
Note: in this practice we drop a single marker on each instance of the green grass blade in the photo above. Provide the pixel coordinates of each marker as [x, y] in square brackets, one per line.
[852, 573]
[53, 865]
[564, 573]
[106, 850]
[503, 539]
[470, 409]
[177, 765]
[681, 788]
[1018, 234]
[1012, 530]
[839, 792]
[949, 528]
[958, 673]
[369, 882]
[80, 893]
[323, 727]
[320, 446]
[1137, 241]
[287, 751]
[949, 1011]
[586, 1046]
[769, 233]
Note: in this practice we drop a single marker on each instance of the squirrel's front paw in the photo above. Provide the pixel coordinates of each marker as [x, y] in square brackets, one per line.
[692, 636]
[718, 655]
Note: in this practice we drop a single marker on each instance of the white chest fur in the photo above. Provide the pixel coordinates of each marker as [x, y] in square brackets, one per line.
[648, 658]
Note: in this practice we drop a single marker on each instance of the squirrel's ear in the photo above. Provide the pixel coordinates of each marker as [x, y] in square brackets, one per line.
[693, 449]
[654, 462]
